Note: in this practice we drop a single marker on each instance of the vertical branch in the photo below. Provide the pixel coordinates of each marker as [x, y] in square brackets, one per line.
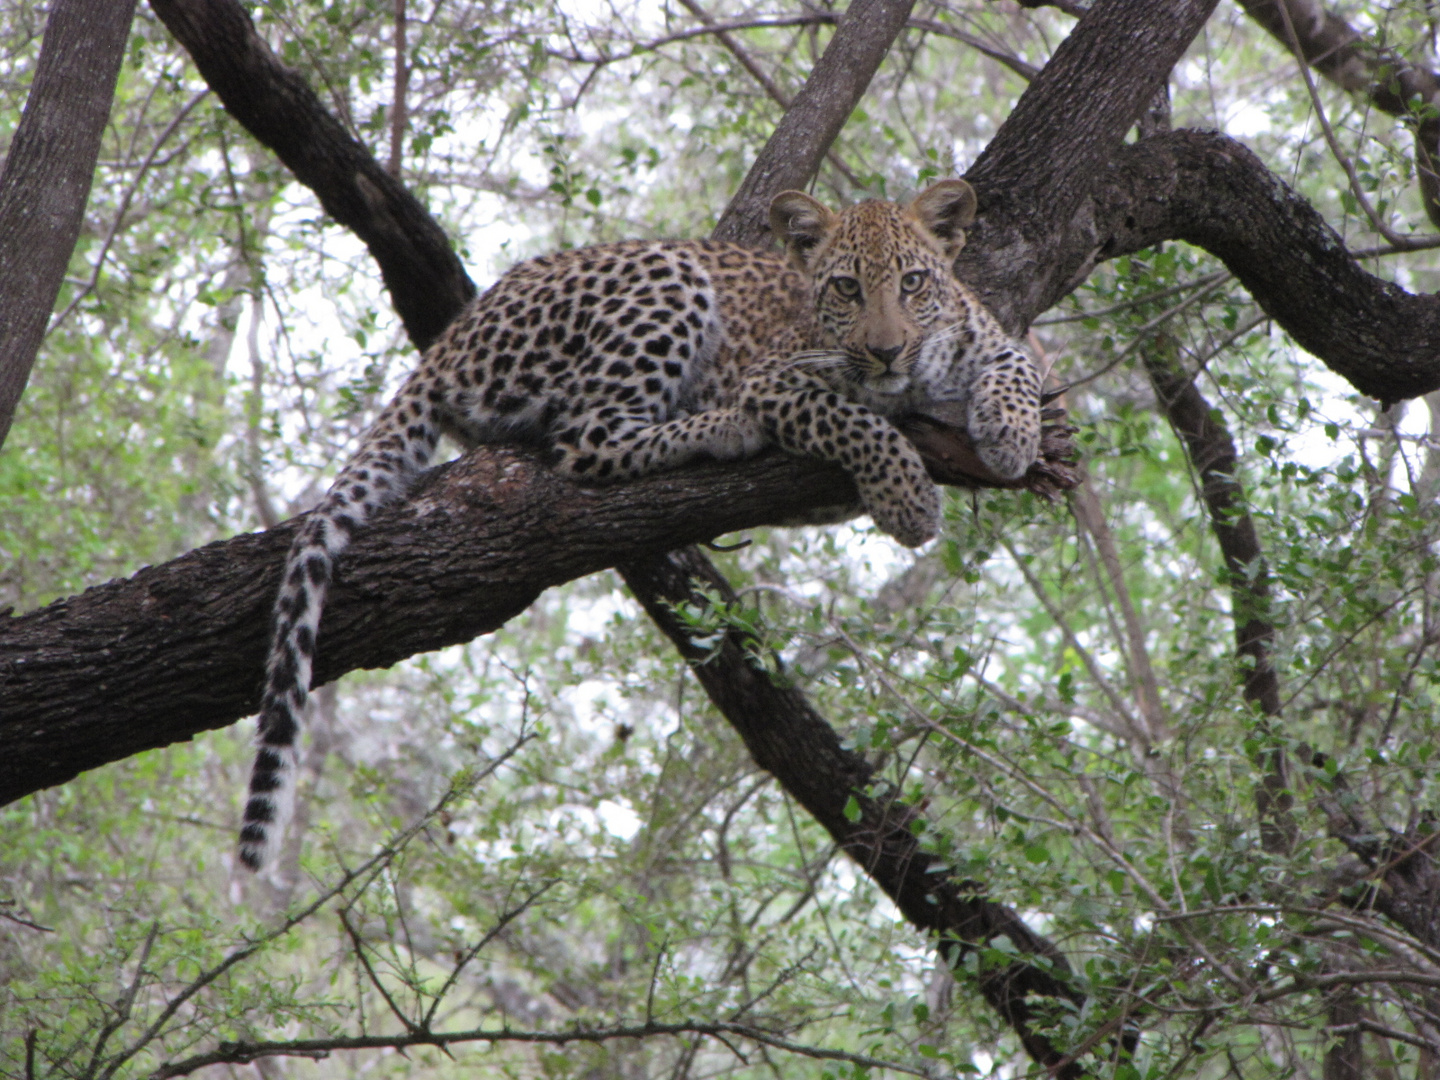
[398, 114]
[771, 88]
[48, 172]
[1201, 430]
[1346, 1059]
[1212, 455]
[1086, 507]
[793, 153]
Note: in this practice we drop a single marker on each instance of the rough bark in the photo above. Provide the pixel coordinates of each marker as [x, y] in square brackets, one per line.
[1030, 244]
[1059, 193]
[426, 280]
[178, 649]
[1346, 1059]
[47, 176]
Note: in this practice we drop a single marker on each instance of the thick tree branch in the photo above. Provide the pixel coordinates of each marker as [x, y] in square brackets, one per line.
[787, 737]
[1028, 247]
[48, 171]
[1059, 194]
[771, 88]
[782, 730]
[178, 649]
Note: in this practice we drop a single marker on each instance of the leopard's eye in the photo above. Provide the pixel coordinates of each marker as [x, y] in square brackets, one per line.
[912, 281]
[847, 287]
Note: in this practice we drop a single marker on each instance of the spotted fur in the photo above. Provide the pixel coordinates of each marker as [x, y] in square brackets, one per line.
[628, 358]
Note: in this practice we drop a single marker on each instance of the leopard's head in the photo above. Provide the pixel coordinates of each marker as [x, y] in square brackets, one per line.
[881, 275]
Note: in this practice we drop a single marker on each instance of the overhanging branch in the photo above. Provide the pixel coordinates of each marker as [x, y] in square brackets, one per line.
[1211, 191]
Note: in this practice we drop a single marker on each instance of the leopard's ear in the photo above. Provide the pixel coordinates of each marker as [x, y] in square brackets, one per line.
[800, 223]
[943, 210]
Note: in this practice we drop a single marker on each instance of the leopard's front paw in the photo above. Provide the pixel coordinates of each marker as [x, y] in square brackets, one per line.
[910, 514]
[1011, 454]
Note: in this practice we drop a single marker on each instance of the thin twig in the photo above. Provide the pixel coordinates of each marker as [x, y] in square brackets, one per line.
[1140, 335]
[1304, 983]
[237, 956]
[1329, 133]
[124, 207]
[1149, 298]
[126, 1003]
[1086, 503]
[475, 950]
[245, 1053]
[22, 922]
[1385, 1033]
[819, 18]
[359, 946]
[1136, 730]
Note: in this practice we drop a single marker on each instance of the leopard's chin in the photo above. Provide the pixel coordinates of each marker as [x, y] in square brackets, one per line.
[891, 385]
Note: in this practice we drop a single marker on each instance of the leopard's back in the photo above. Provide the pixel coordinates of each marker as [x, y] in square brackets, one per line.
[653, 328]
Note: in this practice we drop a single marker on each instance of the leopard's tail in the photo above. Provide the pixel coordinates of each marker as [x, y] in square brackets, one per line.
[395, 449]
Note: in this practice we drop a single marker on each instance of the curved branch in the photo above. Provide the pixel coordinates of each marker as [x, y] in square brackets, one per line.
[1389, 81]
[1028, 247]
[1211, 191]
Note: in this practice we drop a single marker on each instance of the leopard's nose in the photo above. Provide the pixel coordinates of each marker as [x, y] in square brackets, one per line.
[885, 355]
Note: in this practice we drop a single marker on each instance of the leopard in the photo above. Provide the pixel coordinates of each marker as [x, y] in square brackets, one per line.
[626, 358]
